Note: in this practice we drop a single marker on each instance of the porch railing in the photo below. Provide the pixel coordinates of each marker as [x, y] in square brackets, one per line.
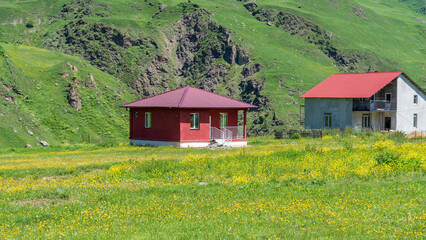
[227, 133]
[382, 105]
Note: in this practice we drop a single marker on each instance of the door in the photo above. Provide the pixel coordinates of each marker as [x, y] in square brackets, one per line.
[210, 126]
[223, 120]
[388, 123]
[223, 124]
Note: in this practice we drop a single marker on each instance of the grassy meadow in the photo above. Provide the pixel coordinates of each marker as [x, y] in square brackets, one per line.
[351, 187]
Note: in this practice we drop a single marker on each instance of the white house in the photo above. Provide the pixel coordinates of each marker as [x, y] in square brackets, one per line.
[379, 100]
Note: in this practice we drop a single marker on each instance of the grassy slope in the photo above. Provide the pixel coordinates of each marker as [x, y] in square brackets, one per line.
[390, 29]
[43, 106]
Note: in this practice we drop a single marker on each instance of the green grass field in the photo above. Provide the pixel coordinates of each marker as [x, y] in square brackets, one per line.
[352, 187]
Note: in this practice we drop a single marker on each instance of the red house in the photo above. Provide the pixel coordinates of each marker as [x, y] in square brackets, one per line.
[188, 117]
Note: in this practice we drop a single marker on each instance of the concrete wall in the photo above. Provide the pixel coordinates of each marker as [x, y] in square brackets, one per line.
[377, 119]
[390, 88]
[340, 108]
[357, 118]
[406, 107]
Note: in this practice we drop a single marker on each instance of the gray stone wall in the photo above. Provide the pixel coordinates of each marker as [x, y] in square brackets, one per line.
[340, 109]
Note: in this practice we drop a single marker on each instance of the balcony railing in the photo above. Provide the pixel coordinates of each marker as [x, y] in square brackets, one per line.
[227, 133]
[374, 105]
[361, 106]
[377, 105]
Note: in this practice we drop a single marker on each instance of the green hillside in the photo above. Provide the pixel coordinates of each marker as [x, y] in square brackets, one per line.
[41, 91]
[266, 52]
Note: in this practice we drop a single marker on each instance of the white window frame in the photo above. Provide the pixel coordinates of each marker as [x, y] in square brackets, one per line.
[136, 114]
[223, 120]
[415, 119]
[147, 119]
[365, 120]
[328, 119]
[194, 121]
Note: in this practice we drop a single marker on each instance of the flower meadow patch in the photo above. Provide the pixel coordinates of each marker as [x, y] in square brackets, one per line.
[298, 188]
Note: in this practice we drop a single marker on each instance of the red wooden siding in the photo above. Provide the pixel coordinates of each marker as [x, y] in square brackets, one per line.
[194, 135]
[232, 117]
[164, 124]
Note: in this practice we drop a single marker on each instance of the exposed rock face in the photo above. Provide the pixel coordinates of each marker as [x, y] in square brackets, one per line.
[74, 97]
[73, 68]
[104, 46]
[190, 54]
[153, 78]
[80, 8]
[251, 92]
[251, 69]
[195, 48]
[200, 43]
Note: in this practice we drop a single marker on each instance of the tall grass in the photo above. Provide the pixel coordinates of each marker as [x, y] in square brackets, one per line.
[295, 188]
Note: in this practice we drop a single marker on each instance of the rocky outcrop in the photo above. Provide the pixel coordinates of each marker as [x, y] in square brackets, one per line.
[251, 69]
[106, 47]
[251, 92]
[154, 78]
[192, 54]
[81, 8]
[44, 143]
[74, 97]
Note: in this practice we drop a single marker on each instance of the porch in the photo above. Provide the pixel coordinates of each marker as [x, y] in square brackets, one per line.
[374, 120]
[227, 133]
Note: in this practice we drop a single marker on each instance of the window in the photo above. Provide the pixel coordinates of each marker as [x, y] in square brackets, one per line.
[147, 120]
[327, 120]
[136, 114]
[365, 120]
[223, 120]
[415, 120]
[388, 97]
[195, 121]
[416, 99]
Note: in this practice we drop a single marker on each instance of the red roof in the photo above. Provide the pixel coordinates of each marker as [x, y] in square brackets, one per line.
[351, 85]
[189, 97]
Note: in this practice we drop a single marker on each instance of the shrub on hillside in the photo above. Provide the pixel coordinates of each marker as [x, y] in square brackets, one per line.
[296, 136]
[30, 24]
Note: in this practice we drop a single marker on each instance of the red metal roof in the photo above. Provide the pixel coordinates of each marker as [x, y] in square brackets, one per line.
[351, 85]
[189, 97]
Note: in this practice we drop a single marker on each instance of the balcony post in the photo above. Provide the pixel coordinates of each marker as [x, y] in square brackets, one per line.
[245, 123]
